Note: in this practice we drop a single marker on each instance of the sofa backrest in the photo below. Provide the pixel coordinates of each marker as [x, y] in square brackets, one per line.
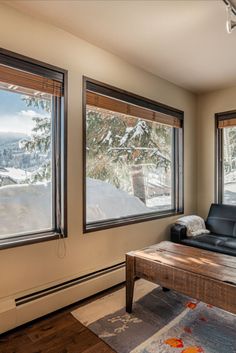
[222, 219]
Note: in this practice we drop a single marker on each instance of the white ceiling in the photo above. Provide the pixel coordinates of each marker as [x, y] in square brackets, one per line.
[183, 41]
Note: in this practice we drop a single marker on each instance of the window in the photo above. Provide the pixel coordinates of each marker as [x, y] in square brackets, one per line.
[226, 158]
[133, 158]
[32, 165]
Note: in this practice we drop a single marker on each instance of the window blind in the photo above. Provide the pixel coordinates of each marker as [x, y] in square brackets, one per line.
[25, 79]
[100, 101]
[226, 123]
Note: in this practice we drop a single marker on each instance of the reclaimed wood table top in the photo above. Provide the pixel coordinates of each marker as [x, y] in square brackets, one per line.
[206, 263]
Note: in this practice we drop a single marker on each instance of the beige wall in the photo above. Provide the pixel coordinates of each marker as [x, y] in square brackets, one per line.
[29, 268]
[207, 105]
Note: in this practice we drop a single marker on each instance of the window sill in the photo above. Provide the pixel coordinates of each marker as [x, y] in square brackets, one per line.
[12, 242]
[102, 225]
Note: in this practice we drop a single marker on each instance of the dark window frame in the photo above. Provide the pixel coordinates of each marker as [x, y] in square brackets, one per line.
[219, 149]
[59, 147]
[178, 153]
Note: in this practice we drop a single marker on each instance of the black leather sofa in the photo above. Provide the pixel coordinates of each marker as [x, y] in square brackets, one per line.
[221, 222]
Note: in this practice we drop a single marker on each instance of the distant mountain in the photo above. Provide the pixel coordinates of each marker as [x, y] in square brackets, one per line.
[11, 155]
[10, 138]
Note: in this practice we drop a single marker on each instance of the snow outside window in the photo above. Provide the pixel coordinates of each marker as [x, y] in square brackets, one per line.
[229, 165]
[31, 119]
[26, 200]
[130, 167]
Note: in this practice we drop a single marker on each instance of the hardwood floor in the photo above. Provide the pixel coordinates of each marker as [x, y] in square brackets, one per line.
[58, 332]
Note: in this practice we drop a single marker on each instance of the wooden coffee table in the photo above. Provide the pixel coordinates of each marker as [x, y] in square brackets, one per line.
[203, 275]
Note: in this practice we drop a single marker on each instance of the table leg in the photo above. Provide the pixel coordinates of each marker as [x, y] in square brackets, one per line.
[165, 289]
[130, 275]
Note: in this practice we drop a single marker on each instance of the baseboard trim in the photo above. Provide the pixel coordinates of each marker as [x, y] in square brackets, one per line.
[43, 302]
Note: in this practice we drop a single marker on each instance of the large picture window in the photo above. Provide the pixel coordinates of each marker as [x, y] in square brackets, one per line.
[133, 158]
[226, 158]
[32, 137]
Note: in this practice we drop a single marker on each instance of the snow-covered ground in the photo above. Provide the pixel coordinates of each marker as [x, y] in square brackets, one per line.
[105, 201]
[25, 208]
[230, 177]
[230, 188]
[15, 173]
[230, 193]
[160, 202]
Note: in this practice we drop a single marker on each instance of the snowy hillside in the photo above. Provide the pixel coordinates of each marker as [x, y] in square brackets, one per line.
[30, 205]
[9, 138]
[104, 201]
[25, 208]
[15, 174]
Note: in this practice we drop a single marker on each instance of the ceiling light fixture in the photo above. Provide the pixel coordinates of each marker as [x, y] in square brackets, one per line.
[231, 12]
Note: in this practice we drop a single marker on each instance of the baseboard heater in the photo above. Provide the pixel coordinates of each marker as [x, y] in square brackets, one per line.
[67, 284]
[34, 305]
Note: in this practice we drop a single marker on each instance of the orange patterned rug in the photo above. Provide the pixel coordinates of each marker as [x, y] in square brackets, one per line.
[161, 322]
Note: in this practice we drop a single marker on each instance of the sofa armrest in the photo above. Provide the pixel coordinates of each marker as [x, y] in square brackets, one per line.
[177, 233]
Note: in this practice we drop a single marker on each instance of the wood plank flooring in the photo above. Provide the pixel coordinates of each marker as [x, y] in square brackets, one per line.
[58, 332]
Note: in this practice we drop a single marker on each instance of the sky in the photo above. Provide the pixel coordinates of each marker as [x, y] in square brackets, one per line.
[15, 116]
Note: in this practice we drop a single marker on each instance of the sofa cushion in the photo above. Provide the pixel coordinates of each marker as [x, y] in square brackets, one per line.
[220, 248]
[205, 246]
[231, 244]
[213, 239]
[222, 220]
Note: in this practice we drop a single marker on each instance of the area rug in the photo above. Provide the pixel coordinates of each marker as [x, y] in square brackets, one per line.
[161, 322]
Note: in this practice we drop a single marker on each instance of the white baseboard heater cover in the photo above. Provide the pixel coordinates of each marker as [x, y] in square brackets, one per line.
[15, 312]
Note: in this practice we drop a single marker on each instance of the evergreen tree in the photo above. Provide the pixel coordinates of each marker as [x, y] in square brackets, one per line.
[119, 146]
[39, 142]
[229, 149]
